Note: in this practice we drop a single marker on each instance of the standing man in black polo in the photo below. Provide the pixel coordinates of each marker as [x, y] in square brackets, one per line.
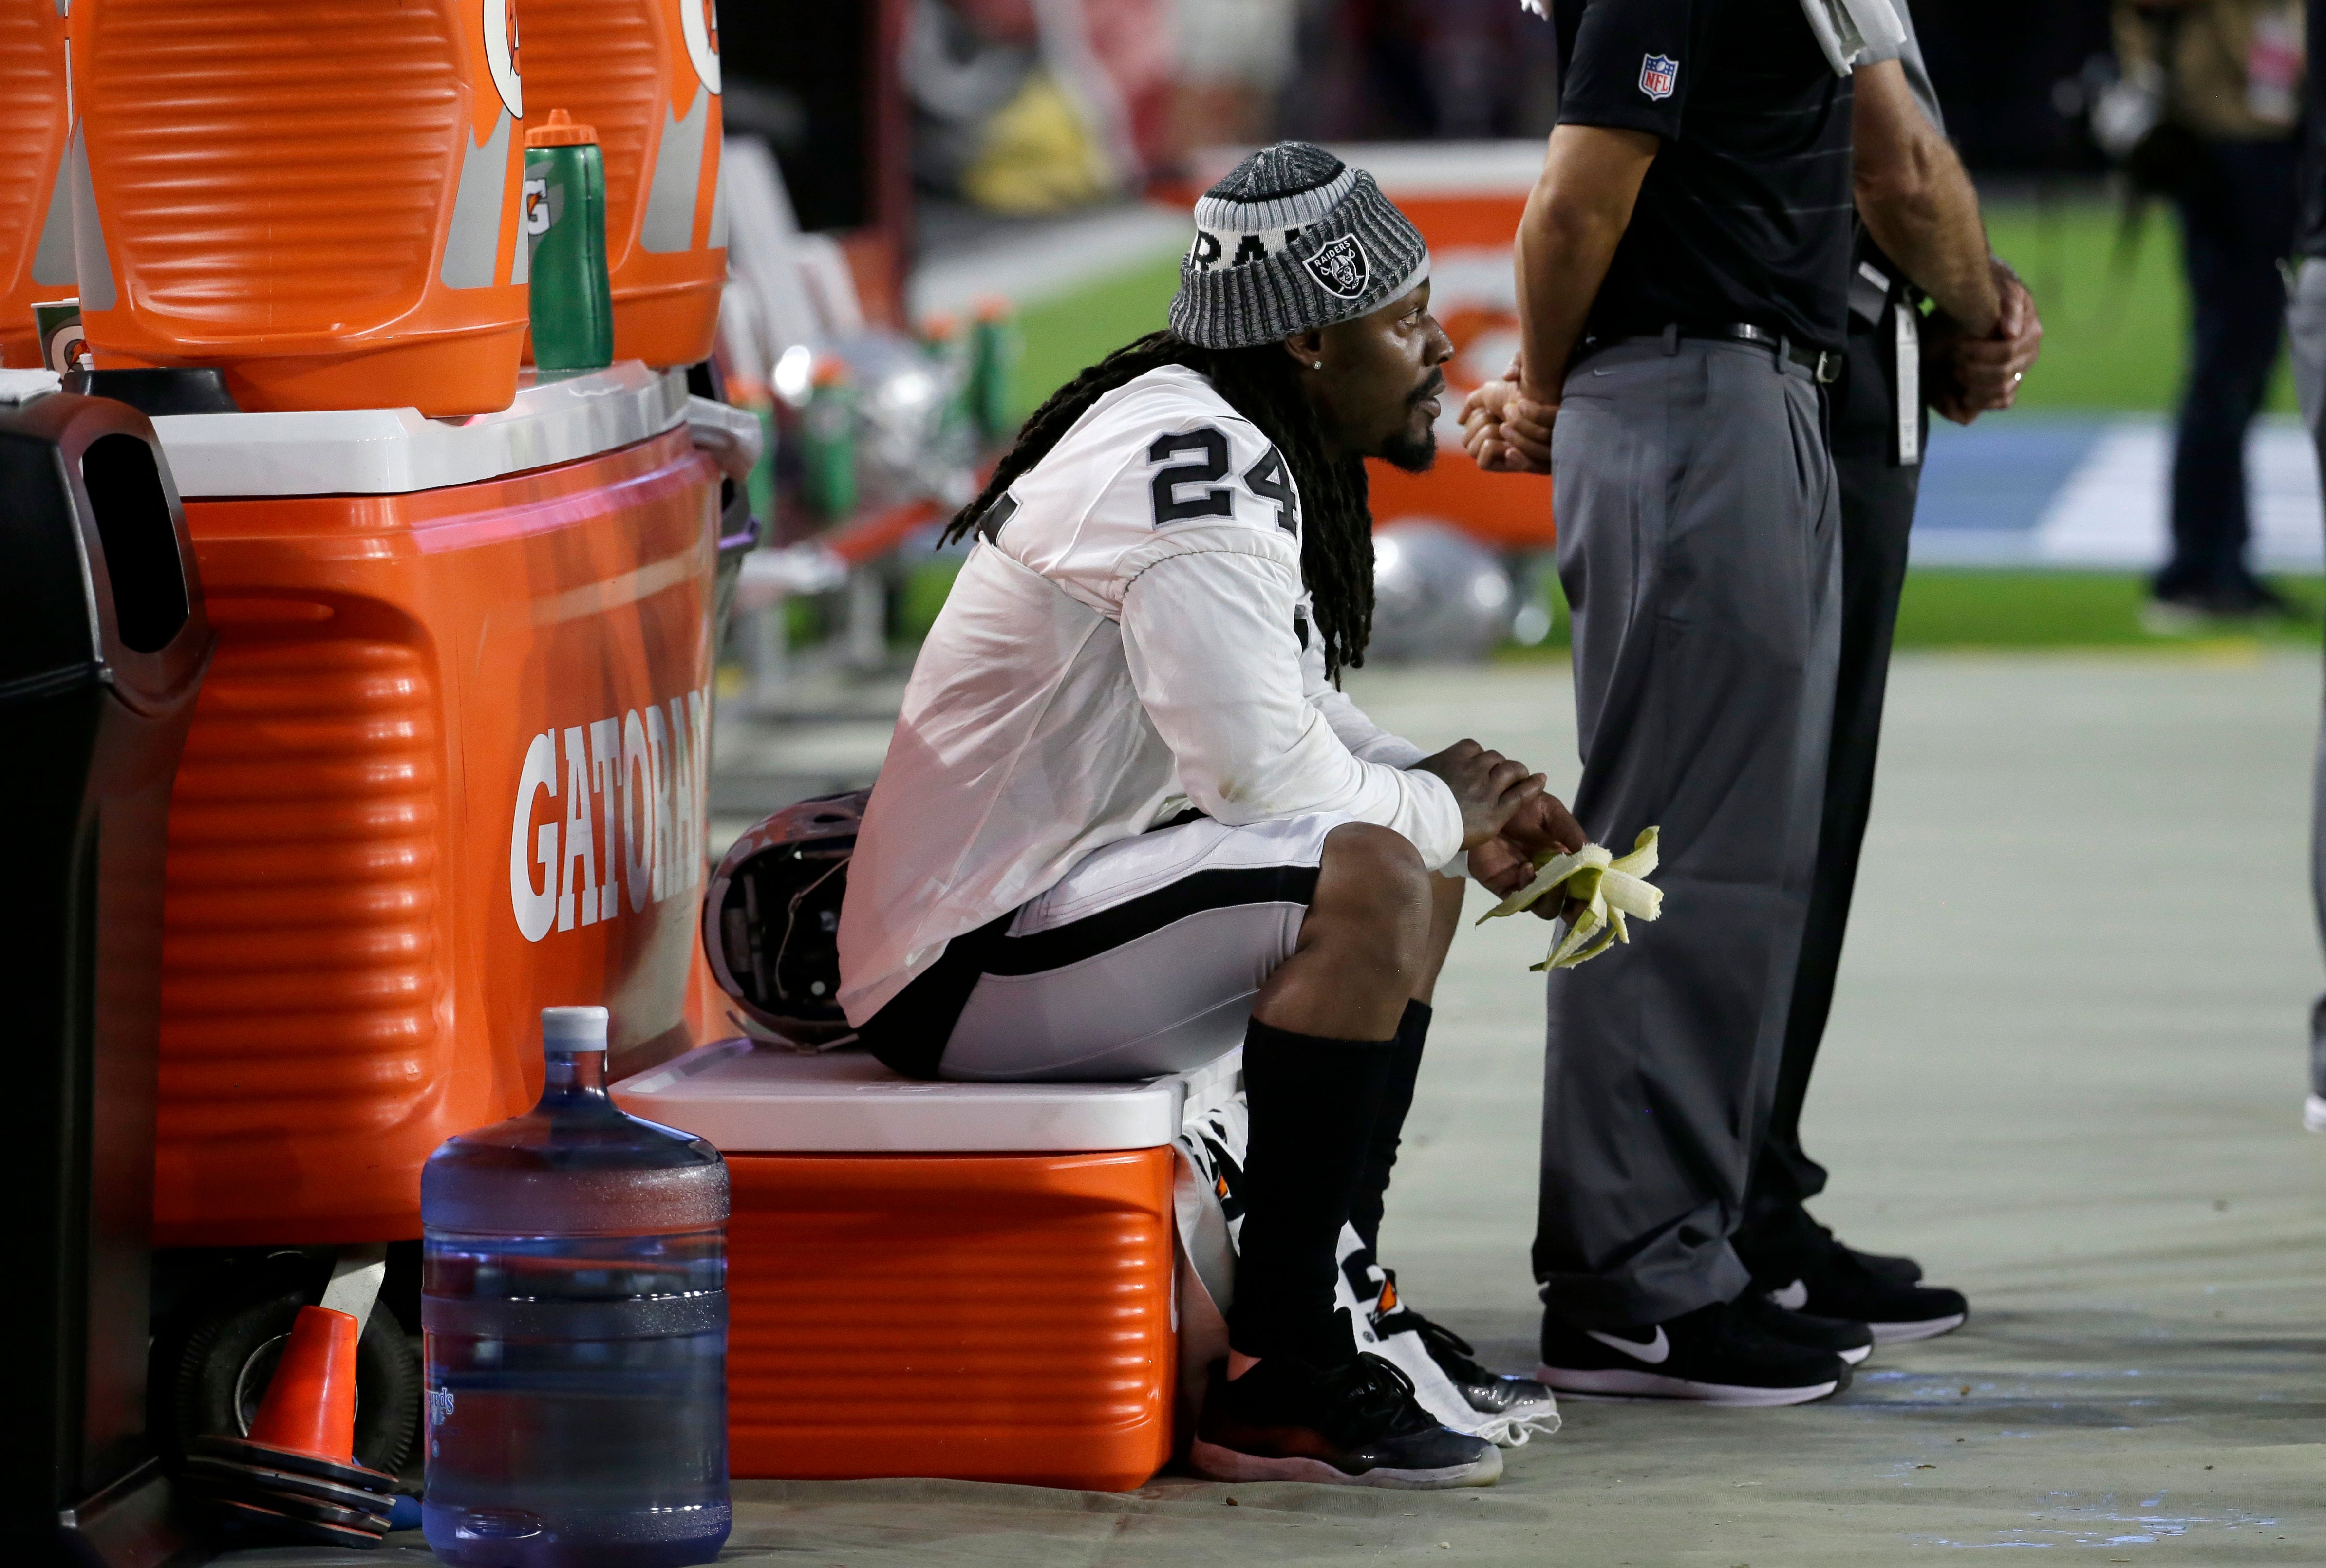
[1695, 571]
[1682, 275]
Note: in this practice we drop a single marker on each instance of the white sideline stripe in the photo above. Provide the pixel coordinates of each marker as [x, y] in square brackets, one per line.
[2113, 510]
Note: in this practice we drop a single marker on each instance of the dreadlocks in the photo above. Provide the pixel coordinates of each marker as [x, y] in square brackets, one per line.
[1336, 552]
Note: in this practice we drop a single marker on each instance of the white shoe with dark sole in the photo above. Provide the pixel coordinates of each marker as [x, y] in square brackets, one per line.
[1621, 1384]
[1925, 1329]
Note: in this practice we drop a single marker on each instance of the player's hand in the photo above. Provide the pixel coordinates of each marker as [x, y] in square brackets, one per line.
[1505, 863]
[1488, 787]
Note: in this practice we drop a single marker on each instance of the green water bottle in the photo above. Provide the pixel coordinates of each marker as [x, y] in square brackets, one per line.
[828, 442]
[993, 349]
[565, 229]
[949, 358]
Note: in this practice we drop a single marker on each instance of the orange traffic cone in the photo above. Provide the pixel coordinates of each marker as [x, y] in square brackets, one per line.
[310, 1407]
[296, 1475]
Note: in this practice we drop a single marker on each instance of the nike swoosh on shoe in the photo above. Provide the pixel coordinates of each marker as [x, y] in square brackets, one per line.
[1654, 1353]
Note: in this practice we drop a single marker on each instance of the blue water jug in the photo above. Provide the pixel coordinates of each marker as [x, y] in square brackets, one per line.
[575, 1274]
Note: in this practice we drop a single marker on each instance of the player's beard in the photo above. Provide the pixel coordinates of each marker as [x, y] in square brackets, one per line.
[1416, 454]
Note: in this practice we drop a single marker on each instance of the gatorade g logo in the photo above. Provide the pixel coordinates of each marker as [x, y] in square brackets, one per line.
[701, 30]
[500, 54]
[625, 812]
[537, 215]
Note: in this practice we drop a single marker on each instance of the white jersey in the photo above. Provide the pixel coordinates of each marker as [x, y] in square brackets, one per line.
[1128, 636]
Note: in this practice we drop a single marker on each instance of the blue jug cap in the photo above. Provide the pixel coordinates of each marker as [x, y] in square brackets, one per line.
[573, 1028]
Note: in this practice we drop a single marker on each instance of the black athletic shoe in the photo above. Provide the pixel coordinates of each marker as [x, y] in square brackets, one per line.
[1484, 1390]
[1780, 1248]
[1852, 1341]
[1838, 1286]
[1716, 1354]
[1354, 1424]
[1883, 1265]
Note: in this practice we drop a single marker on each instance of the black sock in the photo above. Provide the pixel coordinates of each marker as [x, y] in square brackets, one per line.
[1372, 1194]
[1313, 1104]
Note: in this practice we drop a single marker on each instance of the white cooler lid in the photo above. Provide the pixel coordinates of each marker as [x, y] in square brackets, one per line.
[393, 451]
[759, 1100]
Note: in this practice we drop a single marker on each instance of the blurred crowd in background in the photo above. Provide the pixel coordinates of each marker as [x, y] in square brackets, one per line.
[1040, 106]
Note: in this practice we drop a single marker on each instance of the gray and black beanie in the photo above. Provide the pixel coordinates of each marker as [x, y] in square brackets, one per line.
[1292, 239]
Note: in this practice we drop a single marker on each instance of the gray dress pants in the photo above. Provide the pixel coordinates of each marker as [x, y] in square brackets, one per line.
[1699, 545]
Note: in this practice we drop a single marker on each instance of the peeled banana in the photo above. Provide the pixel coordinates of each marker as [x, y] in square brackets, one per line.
[1608, 888]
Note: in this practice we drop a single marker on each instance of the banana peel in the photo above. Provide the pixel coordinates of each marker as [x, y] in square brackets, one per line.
[1610, 890]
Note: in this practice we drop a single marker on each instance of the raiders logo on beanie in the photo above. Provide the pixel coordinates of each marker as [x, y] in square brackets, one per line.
[1292, 239]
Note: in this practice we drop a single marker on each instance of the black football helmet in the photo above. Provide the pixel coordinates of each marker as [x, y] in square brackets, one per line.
[771, 918]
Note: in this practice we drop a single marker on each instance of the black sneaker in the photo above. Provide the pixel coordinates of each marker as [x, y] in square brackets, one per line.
[1354, 1424]
[1484, 1390]
[1853, 1342]
[1779, 1245]
[1838, 1286]
[1883, 1265]
[1716, 1354]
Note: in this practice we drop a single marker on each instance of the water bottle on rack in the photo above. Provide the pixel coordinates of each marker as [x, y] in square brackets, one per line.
[574, 1302]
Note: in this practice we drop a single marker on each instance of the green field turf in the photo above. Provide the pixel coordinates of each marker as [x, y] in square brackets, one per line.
[2115, 321]
[1974, 607]
[1077, 329]
[1995, 607]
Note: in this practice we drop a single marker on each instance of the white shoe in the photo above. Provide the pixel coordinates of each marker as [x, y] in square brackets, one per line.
[2313, 1114]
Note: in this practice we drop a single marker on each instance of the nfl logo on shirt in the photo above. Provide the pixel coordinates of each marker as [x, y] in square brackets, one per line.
[1657, 74]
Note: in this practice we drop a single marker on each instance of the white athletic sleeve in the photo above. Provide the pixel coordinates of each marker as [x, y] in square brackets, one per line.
[1366, 741]
[1208, 636]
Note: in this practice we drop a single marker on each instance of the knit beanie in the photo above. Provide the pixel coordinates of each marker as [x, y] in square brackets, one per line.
[1292, 239]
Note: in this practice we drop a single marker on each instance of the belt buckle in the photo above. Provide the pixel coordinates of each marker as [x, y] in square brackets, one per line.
[1827, 368]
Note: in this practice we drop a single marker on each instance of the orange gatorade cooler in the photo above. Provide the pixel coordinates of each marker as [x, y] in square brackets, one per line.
[322, 200]
[448, 769]
[1006, 1248]
[646, 74]
[36, 243]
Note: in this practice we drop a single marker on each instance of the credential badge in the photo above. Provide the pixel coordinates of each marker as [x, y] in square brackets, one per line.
[1658, 72]
[1341, 267]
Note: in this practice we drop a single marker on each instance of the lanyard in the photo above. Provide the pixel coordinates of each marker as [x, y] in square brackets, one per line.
[1907, 401]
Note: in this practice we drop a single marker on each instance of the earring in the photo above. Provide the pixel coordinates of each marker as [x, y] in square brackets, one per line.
[1316, 365]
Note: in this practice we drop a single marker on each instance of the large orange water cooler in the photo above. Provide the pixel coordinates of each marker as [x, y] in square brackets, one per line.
[448, 769]
[1006, 1250]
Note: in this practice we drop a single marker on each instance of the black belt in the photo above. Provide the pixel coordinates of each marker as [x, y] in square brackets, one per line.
[1825, 363]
